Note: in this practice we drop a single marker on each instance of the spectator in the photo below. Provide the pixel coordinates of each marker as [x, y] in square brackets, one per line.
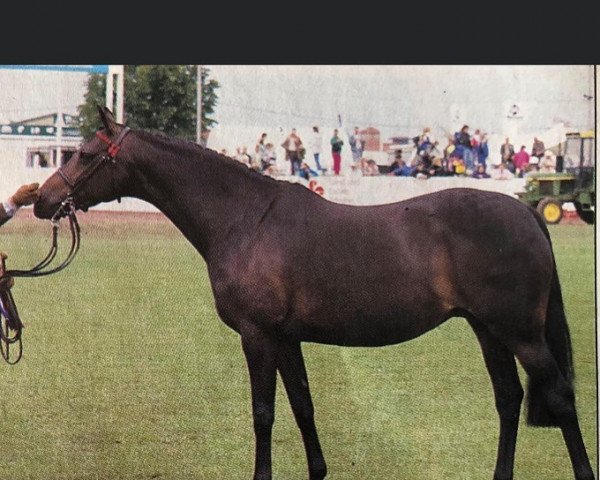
[475, 142]
[501, 172]
[292, 145]
[401, 169]
[483, 151]
[547, 163]
[463, 139]
[507, 151]
[316, 145]
[521, 161]
[356, 145]
[438, 168]
[480, 172]
[538, 148]
[425, 142]
[204, 134]
[369, 167]
[476, 139]
[422, 166]
[458, 167]
[396, 162]
[260, 151]
[306, 172]
[449, 149]
[336, 151]
[269, 156]
[242, 155]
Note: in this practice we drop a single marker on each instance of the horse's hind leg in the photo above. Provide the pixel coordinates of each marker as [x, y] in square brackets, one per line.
[290, 364]
[558, 397]
[508, 392]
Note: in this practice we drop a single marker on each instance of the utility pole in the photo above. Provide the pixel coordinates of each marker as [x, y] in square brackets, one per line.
[118, 109]
[199, 104]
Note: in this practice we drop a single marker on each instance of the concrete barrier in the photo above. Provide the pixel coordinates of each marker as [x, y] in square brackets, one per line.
[348, 189]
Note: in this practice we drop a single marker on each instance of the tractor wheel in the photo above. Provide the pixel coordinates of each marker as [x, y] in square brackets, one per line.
[588, 216]
[551, 210]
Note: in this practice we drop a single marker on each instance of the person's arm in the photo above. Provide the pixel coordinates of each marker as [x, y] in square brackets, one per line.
[25, 195]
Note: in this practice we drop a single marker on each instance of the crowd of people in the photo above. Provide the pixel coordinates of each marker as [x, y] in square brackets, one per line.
[264, 158]
[467, 155]
[464, 155]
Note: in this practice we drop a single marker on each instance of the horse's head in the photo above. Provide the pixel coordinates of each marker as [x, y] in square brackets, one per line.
[96, 173]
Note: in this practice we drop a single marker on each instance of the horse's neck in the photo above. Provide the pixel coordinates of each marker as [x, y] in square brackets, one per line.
[213, 203]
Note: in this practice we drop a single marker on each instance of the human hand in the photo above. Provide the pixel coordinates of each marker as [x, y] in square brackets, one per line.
[26, 195]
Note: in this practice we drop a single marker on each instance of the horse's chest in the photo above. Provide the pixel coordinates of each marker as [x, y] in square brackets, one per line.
[240, 298]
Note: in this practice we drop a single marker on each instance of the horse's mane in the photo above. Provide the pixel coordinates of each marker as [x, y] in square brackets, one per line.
[195, 152]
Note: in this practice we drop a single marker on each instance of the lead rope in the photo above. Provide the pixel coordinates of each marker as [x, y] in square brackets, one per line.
[11, 327]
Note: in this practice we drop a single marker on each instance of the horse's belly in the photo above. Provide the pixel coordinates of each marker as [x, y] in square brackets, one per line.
[361, 331]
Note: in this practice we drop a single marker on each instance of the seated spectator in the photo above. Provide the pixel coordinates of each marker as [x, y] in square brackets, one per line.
[422, 165]
[369, 167]
[424, 141]
[306, 172]
[480, 172]
[521, 161]
[548, 163]
[501, 172]
[458, 166]
[401, 169]
[440, 168]
[449, 149]
[537, 150]
[397, 161]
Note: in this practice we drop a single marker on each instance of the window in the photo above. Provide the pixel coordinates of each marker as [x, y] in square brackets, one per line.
[46, 157]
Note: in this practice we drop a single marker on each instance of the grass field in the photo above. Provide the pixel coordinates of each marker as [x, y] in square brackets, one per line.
[128, 373]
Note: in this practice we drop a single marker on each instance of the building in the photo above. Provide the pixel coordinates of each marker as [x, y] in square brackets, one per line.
[32, 149]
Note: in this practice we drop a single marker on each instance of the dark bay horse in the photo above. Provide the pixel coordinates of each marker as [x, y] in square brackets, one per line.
[287, 266]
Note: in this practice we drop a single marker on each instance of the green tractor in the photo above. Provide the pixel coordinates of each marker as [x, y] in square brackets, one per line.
[574, 181]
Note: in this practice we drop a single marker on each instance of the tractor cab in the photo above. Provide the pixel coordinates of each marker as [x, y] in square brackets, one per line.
[574, 181]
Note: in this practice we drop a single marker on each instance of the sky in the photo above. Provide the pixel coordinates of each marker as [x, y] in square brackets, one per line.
[405, 98]
[401, 99]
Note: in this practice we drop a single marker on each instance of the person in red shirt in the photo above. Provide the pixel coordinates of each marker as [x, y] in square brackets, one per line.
[521, 161]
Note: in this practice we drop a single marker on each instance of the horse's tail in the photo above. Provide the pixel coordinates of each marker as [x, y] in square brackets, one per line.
[558, 339]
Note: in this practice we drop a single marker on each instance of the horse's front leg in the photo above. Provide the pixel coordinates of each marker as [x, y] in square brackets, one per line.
[261, 355]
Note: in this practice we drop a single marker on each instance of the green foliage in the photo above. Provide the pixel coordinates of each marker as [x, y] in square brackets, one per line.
[159, 98]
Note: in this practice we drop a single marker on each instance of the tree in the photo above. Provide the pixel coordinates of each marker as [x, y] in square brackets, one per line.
[159, 98]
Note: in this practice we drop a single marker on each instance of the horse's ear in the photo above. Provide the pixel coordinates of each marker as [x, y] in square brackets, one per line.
[108, 120]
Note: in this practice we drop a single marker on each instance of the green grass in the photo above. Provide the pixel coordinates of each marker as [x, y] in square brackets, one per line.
[128, 373]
